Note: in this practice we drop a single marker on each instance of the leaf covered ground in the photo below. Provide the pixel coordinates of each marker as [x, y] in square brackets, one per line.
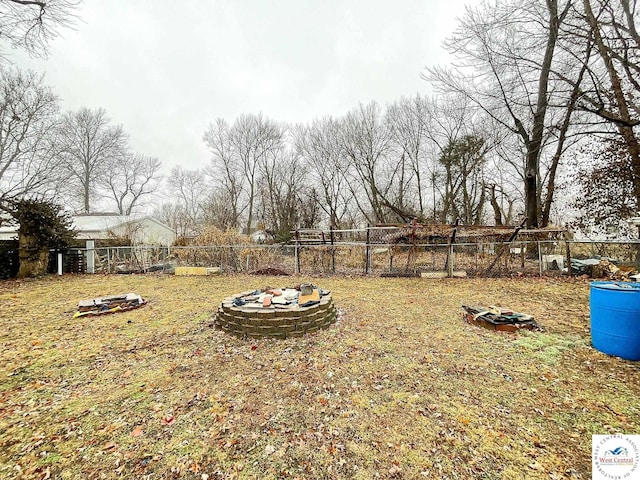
[399, 387]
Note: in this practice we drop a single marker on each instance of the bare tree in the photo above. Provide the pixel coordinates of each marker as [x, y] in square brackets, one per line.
[28, 157]
[172, 214]
[132, 178]
[612, 86]
[90, 147]
[238, 153]
[189, 189]
[283, 187]
[365, 141]
[409, 121]
[319, 146]
[216, 210]
[508, 50]
[497, 198]
[254, 139]
[225, 173]
[31, 24]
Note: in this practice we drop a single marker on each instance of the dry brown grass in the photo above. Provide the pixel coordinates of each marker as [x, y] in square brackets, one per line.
[400, 387]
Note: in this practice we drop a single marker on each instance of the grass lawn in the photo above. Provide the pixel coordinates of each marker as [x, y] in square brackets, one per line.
[399, 387]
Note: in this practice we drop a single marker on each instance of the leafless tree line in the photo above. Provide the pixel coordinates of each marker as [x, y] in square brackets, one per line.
[551, 77]
[534, 85]
[79, 159]
[416, 158]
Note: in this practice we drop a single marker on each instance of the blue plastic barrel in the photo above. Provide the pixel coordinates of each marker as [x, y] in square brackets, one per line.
[615, 318]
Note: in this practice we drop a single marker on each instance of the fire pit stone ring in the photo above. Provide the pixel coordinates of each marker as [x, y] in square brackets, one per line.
[248, 315]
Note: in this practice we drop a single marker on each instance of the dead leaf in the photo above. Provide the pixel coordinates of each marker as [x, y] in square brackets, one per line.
[168, 420]
[136, 432]
[109, 446]
[536, 466]
[394, 470]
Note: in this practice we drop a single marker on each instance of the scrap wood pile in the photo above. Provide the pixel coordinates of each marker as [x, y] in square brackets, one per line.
[106, 305]
[602, 268]
[497, 318]
[438, 233]
[302, 295]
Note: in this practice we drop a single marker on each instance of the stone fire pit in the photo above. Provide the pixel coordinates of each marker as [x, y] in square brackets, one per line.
[276, 313]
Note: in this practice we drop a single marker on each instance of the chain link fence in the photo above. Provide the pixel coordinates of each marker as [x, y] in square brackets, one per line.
[360, 258]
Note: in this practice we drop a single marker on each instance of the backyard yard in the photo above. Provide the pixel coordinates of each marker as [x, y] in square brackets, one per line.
[399, 387]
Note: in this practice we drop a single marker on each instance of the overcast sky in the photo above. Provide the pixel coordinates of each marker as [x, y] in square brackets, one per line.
[165, 69]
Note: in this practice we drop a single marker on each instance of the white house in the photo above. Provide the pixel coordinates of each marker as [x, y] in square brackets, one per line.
[140, 229]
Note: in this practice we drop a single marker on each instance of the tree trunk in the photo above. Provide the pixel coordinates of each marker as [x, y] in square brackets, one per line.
[533, 146]
[33, 260]
[497, 213]
[86, 196]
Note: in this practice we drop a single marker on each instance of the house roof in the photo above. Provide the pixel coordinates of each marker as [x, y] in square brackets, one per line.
[91, 223]
[97, 223]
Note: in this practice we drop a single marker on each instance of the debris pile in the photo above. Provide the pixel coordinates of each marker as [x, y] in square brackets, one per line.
[274, 272]
[498, 318]
[106, 305]
[601, 268]
[302, 295]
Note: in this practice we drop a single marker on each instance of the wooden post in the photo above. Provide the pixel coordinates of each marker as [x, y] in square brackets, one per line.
[476, 255]
[505, 246]
[568, 250]
[452, 240]
[411, 254]
[539, 257]
[367, 256]
[297, 251]
[90, 253]
[333, 250]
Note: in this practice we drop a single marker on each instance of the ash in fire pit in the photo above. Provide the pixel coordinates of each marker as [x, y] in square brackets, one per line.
[276, 312]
